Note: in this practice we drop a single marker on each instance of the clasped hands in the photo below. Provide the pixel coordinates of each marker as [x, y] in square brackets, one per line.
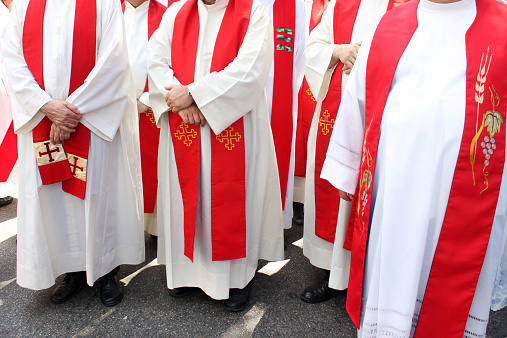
[65, 117]
[346, 54]
[180, 102]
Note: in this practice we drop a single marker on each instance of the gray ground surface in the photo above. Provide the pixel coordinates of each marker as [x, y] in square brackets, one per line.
[275, 309]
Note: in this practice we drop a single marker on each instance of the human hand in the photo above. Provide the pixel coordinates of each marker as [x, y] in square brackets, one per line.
[177, 98]
[346, 196]
[346, 54]
[64, 115]
[192, 115]
[141, 107]
[58, 136]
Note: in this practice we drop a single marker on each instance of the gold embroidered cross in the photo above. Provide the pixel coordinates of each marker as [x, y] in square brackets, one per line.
[326, 123]
[149, 113]
[309, 92]
[230, 137]
[185, 134]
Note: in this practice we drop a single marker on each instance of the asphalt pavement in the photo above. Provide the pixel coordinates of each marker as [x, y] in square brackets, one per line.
[275, 309]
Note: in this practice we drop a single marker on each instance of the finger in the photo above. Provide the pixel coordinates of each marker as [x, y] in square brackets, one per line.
[191, 118]
[347, 71]
[183, 117]
[169, 87]
[52, 135]
[66, 129]
[203, 119]
[72, 108]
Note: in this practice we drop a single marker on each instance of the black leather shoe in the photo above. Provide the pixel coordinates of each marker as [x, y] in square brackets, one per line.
[6, 200]
[298, 216]
[71, 284]
[238, 299]
[111, 289]
[181, 292]
[318, 292]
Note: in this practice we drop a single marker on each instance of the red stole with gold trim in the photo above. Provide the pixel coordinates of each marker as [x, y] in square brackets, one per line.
[149, 133]
[284, 23]
[476, 184]
[327, 200]
[228, 194]
[56, 164]
[306, 102]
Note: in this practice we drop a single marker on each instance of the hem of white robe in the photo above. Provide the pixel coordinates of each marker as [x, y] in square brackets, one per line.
[150, 224]
[319, 255]
[339, 277]
[45, 278]
[213, 283]
[299, 189]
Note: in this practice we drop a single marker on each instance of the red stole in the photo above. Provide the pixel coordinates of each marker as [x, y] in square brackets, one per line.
[327, 199]
[8, 153]
[56, 164]
[149, 133]
[284, 23]
[476, 184]
[228, 195]
[306, 101]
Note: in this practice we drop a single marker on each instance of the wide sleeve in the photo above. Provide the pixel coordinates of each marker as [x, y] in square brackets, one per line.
[226, 96]
[103, 98]
[26, 95]
[318, 52]
[160, 72]
[343, 157]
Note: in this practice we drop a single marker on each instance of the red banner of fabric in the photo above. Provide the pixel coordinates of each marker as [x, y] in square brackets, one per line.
[284, 23]
[83, 61]
[8, 153]
[228, 195]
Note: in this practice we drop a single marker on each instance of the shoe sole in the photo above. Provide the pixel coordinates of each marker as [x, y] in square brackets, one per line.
[114, 302]
[314, 301]
[61, 301]
[239, 309]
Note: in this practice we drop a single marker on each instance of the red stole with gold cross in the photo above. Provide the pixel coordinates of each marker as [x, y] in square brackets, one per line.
[327, 200]
[149, 133]
[228, 194]
[284, 23]
[476, 184]
[55, 163]
[306, 102]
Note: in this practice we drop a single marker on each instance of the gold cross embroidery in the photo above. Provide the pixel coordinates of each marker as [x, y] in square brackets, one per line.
[230, 137]
[149, 113]
[185, 135]
[326, 123]
[309, 92]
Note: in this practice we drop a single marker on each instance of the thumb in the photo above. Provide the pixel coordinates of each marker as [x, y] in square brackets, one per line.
[72, 107]
[169, 87]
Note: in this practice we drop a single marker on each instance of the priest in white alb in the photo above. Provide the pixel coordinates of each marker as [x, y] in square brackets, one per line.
[282, 88]
[142, 18]
[219, 208]
[73, 100]
[330, 54]
[419, 143]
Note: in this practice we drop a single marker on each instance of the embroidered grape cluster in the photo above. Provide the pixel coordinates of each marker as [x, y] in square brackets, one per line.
[364, 198]
[488, 148]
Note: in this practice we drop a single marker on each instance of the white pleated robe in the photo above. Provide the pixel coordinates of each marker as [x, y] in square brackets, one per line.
[319, 51]
[301, 31]
[58, 232]
[416, 159]
[223, 97]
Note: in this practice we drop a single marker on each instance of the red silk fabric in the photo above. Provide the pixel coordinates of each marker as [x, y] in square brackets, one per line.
[83, 61]
[327, 200]
[306, 102]
[284, 23]
[228, 195]
[8, 153]
[475, 188]
[149, 133]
